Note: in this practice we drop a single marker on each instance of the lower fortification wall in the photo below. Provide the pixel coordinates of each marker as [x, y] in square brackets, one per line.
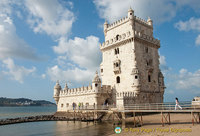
[65, 102]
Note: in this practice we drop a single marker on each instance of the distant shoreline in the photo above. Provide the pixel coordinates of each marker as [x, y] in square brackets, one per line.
[17, 102]
[27, 105]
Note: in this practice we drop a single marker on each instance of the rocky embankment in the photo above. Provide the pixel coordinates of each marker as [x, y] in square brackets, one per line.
[31, 119]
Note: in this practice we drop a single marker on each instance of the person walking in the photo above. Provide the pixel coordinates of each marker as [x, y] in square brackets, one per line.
[177, 104]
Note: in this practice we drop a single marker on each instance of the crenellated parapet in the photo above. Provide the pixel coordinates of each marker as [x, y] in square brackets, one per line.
[77, 91]
[147, 38]
[123, 20]
[128, 35]
[115, 40]
[85, 90]
[117, 23]
[144, 22]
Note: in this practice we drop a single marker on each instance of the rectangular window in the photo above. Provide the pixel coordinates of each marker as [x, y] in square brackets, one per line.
[149, 78]
[102, 70]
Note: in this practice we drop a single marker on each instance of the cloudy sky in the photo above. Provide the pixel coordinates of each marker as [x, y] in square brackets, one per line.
[42, 41]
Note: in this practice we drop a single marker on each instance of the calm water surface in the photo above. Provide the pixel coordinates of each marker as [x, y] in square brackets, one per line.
[13, 112]
[49, 128]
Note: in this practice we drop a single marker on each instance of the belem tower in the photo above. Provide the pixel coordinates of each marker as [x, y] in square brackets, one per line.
[129, 70]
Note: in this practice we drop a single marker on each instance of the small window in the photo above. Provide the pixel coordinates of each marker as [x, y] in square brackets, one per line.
[136, 77]
[67, 105]
[117, 65]
[146, 50]
[149, 78]
[130, 13]
[61, 105]
[116, 51]
[96, 85]
[118, 79]
[102, 70]
[117, 37]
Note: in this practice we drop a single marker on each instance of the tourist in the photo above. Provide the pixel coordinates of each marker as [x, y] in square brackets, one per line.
[73, 105]
[79, 105]
[177, 104]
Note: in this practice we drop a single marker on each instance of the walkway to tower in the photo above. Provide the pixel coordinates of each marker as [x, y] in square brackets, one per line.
[137, 111]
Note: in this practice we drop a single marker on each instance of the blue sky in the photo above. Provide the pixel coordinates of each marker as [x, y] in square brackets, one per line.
[42, 41]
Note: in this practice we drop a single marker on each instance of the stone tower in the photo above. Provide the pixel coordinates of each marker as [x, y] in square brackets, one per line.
[130, 61]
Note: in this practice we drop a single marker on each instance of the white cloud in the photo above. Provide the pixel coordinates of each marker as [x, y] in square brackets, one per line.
[79, 59]
[50, 17]
[11, 45]
[192, 24]
[186, 80]
[73, 76]
[43, 76]
[16, 72]
[84, 52]
[197, 42]
[163, 64]
[160, 11]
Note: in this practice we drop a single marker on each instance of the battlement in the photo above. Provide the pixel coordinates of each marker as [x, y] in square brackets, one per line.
[147, 38]
[84, 90]
[128, 35]
[117, 23]
[142, 21]
[112, 41]
[126, 19]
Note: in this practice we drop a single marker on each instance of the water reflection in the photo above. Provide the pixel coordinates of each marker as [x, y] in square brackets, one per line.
[71, 128]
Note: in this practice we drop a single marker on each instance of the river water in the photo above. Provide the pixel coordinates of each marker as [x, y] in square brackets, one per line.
[49, 128]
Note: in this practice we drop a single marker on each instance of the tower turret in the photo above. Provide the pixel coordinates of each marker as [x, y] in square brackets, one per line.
[105, 27]
[96, 83]
[66, 87]
[149, 21]
[130, 13]
[136, 80]
[57, 89]
[131, 16]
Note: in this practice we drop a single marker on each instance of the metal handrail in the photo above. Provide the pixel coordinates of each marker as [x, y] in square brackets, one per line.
[142, 106]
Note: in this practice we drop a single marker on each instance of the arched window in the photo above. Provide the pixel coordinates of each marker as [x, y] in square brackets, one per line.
[136, 77]
[118, 79]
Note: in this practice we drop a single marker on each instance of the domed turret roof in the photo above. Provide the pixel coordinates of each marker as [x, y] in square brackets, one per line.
[96, 78]
[149, 19]
[130, 10]
[66, 87]
[57, 86]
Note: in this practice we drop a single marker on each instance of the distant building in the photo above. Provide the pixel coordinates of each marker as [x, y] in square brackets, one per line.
[129, 70]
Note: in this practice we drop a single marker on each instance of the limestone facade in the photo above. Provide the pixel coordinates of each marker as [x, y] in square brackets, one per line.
[129, 70]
